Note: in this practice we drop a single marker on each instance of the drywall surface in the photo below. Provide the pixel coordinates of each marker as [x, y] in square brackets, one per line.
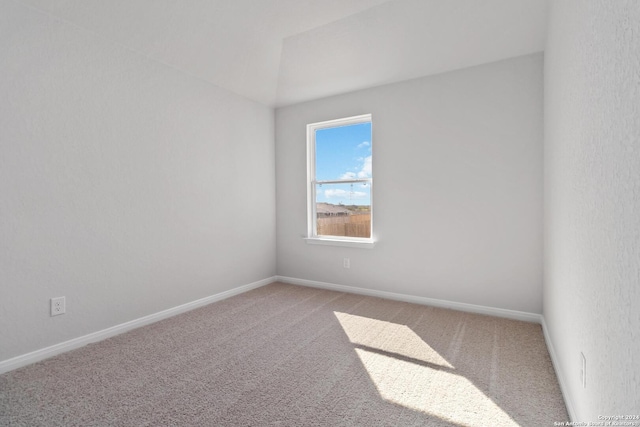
[457, 165]
[404, 39]
[592, 202]
[126, 186]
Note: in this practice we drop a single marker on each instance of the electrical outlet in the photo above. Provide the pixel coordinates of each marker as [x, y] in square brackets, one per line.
[346, 263]
[583, 372]
[58, 306]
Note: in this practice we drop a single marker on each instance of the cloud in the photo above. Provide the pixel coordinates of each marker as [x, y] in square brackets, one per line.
[364, 144]
[348, 175]
[343, 194]
[365, 172]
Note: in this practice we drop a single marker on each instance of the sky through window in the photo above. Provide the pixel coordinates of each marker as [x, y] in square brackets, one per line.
[344, 152]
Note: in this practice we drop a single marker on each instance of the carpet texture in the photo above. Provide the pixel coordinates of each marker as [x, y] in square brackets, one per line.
[284, 355]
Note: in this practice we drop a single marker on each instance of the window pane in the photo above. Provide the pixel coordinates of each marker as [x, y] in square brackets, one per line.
[343, 152]
[344, 209]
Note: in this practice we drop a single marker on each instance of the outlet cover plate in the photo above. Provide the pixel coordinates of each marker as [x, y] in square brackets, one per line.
[58, 306]
[583, 371]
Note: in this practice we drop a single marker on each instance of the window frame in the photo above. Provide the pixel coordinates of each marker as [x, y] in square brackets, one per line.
[312, 233]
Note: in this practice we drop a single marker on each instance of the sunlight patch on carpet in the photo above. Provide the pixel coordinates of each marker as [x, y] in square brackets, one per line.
[389, 337]
[408, 372]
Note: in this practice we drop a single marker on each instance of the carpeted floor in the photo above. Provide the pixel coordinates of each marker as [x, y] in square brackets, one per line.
[285, 355]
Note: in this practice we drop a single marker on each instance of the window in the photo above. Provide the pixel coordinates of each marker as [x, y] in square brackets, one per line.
[340, 180]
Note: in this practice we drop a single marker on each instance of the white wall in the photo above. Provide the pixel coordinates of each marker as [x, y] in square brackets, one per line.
[458, 187]
[125, 185]
[592, 202]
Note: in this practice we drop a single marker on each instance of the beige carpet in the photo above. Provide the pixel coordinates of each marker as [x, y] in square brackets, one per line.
[284, 355]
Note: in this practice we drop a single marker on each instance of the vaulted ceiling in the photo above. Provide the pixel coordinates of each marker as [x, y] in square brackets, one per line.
[280, 52]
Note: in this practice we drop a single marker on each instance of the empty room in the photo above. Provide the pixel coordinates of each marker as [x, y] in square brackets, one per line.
[319, 212]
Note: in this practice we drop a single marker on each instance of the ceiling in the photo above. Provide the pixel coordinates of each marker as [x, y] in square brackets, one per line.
[280, 52]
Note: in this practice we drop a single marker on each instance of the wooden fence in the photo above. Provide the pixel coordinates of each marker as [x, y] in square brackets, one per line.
[356, 225]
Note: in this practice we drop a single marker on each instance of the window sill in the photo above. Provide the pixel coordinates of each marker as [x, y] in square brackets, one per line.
[360, 243]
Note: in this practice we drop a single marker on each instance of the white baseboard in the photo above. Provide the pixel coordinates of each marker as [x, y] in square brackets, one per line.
[470, 308]
[559, 373]
[44, 353]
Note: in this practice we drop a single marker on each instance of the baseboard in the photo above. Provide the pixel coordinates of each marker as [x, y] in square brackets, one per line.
[559, 373]
[44, 353]
[470, 308]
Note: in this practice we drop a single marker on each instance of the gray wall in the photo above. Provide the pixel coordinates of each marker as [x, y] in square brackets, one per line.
[125, 185]
[592, 202]
[457, 187]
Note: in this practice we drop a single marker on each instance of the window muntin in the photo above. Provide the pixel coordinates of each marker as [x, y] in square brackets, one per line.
[340, 179]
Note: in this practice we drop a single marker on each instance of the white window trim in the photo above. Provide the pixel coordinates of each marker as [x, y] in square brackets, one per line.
[312, 236]
[353, 242]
